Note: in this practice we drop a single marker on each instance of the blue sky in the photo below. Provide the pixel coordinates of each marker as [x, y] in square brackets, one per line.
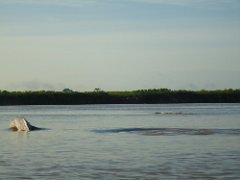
[120, 44]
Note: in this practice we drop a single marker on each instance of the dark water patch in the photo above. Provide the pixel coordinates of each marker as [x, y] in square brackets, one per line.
[170, 131]
[24, 177]
[70, 129]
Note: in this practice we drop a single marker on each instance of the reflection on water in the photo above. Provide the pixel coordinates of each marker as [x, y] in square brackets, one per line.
[102, 142]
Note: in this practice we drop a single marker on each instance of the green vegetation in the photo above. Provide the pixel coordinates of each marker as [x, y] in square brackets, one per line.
[98, 96]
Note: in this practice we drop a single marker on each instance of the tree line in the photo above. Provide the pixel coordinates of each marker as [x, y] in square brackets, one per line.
[148, 96]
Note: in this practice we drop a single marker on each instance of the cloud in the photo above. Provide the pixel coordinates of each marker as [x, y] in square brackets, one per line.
[208, 4]
[51, 2]
[76, 3]
[35, 85]
[171, 2]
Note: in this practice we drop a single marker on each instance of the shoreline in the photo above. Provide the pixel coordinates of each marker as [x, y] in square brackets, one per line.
[150, 96]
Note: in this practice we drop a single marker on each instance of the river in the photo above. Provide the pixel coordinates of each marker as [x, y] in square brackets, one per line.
[148, 141]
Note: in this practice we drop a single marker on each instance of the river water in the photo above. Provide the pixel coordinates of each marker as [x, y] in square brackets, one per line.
[162, 141]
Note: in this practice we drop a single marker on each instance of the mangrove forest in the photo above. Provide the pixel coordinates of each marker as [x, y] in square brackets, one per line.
[146, 96]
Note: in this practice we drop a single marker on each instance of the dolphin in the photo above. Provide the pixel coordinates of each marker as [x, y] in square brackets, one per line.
[21, 124]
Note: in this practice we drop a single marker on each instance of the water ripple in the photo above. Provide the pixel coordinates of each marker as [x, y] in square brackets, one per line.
[170, 131]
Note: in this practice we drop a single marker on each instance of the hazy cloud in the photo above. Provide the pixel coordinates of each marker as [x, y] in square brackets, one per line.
[36, 85]
[89, 2]
[51, 2]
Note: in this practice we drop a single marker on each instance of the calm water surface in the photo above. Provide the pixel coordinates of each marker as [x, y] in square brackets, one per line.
[200, 141]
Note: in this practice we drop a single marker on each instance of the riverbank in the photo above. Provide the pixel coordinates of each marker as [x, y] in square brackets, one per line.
[150, 96]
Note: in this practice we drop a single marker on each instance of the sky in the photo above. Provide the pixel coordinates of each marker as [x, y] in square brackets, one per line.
[119, 45]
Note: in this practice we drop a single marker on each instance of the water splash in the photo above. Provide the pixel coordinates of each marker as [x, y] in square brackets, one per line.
[172, 113]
